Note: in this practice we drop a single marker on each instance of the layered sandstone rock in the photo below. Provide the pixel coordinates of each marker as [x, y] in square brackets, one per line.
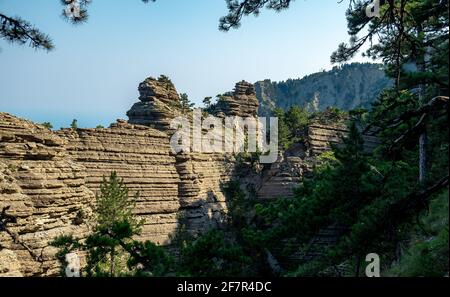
[201, 175]
[321, 137]
[202, 200]
[159, 104]
[141, 156]
[49, 179]
[241, 102]
[44, 191]
[283, 176]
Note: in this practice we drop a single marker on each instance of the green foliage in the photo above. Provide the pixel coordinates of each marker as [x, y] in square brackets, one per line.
[99, 127]
[238, 9]
[374, 202]
[428, 253]
[186, 105]
[74, 124]
[47, 125]
[12, 167]
[207, 101]
[247, 162]
[130, 257]
[297, 120]
[115, 224]
[213, 254]
[149, 259]
[105, 253]
[327, 157]
[346, 86]
[331, 115]
[292, 125]
[111, 249]
[19, 31]
[283, 130]
[237, 205]
[66, 245]
[165, 80]
[114, 204]
[350, 190]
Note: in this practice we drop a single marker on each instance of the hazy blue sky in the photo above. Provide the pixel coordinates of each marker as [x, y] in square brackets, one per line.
[94, 71]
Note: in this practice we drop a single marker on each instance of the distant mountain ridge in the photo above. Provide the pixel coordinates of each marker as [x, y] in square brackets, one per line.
[347, 87]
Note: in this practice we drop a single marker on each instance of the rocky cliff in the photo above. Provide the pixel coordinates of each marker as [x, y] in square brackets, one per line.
[241, 102]
[48, 180]
[321, 137]
[158, 104]
[346, 87]
[141, 156]
[46, 195]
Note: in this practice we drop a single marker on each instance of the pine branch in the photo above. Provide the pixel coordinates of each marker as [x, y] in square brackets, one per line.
[417, 201]
[437, 103]
[17, 30]
[238, 9]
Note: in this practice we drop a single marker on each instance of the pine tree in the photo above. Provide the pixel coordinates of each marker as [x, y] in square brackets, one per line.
[114, 207]
[47, 125]
[110, 248]
[284, 134]
[74, 124]
[186, 105]
[207, 101]
[114, 203]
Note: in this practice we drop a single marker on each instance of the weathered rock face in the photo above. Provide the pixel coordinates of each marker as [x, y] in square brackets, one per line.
[201, 175]
[345, 87]
[141, 156]
[159, 104]
[45, 192]
[242, 102]
[49, 179]
[201, 196]
[322, 137]
[283, 176]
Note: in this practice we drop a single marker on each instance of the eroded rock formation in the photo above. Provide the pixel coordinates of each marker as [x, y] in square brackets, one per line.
[141, 156]
[321, 137]
[45, 192]
[49, 179]
[201, 175]
[159, 104]
[241, 102]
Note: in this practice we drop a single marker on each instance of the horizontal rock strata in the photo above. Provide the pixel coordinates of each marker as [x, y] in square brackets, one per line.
[48, 180]
[201, 189]
[158, 104]
[241, 102]
[45, 192]
[322, 137]
[141, 156]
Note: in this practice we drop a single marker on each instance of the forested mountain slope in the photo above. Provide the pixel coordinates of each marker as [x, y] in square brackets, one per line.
[346, 87]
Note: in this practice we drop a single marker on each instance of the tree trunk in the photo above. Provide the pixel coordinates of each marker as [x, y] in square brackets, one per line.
[358, 265]
[423, 140]
[273, 263]
[112, 264]
[422, 59]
